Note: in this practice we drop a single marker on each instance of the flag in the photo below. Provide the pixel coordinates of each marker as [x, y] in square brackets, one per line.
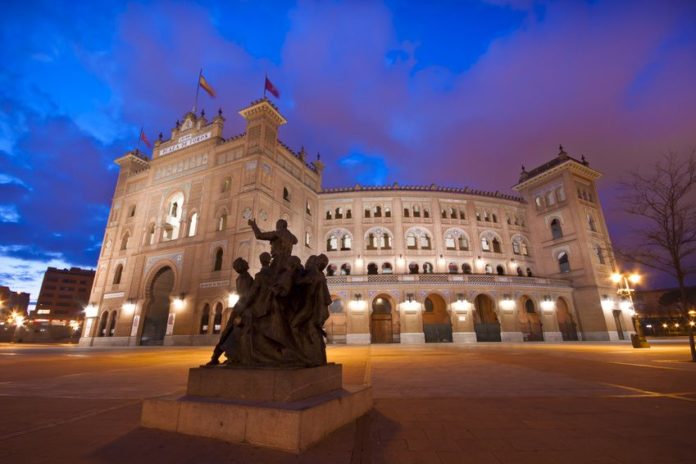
[204, 84]
[143, 137]
[272, 88]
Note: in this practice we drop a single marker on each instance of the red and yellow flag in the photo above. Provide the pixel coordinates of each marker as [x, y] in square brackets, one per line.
[205, 86]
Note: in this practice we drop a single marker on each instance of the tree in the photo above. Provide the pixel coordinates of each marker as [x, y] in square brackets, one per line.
[665, 198]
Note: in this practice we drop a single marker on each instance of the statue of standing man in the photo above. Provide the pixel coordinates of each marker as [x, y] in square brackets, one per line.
[282, 241]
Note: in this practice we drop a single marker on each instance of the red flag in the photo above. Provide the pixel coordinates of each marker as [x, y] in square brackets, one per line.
[272, 88]
[204, 84]
[143, 137]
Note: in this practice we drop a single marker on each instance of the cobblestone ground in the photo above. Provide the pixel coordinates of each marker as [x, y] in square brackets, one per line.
[485, 403]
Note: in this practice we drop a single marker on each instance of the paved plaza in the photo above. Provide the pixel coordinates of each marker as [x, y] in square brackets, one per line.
[484, 403]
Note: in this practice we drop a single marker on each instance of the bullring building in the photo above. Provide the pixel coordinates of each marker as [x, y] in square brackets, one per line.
[408, 264]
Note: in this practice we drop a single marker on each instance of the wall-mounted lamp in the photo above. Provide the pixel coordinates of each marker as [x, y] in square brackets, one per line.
[91, 310]
[461, 305]
[607, 303]
[357, 304]
[232, 299]
[358, 261]
[480, 262]
[180, 302]
[507, 303]
[128, 307]
[410, 305]
[547, 304]
[409, 297]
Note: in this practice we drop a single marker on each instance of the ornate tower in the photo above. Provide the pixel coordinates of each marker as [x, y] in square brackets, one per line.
[571, 241]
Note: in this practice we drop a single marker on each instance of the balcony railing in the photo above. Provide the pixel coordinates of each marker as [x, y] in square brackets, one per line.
[452, 279]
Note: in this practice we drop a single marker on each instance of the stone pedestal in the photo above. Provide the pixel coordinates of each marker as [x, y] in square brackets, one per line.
[286, 409]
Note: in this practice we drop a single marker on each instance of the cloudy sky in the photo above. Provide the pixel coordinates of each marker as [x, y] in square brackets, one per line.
[457, 93]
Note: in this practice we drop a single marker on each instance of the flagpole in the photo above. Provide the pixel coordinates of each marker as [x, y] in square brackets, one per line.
[198, 88]
[140, 136]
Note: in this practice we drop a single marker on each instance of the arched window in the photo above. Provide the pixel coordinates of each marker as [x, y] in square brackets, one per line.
[387, 268]
[349, 214]
[466, 268]
[411, 241]
[328, 214]
[367, 213]
[406, 212]
[449, 242]
[462, 215]
[425, 242]
[426, 213]
[427, 268]
[489, 269]
[453, 268]
[495, 218]
[500, 269]
[371, 242]
[452, 213]
[529, 273]
[331, 270]
[516, 247]
[193, 226]
[205, 319]
[556, 230]
[372, 269]
[346, 242]
[112, 323]
[222, 222]
[307, 239]
[485, 244]
[463, 243]
[444, 213]
[151, 235]
[331, 243]
[218, 260]
[345, 269]
[416, 211]
[520, 272]
[563, 263]
[124, 241]
[496, 246]
[591, 223]
[413, 268]
[550, 199]
[387, 212]
[486, 217]
[339, 213]
[117, 274]
[600, 255]
[102, 324]
[378, 211]
[217, 320]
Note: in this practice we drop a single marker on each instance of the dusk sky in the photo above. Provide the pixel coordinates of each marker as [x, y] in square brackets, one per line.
[452, 93]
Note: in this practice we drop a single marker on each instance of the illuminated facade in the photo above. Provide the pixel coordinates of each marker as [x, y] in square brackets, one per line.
[408, 264]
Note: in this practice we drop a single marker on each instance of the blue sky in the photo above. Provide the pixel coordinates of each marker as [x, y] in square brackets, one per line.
[454, 93]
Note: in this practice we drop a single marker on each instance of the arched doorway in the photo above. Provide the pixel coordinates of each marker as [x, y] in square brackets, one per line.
[381, 320]
[486, 322]
[566, 324]
[530, 322]
[157, 312]
[437, 325]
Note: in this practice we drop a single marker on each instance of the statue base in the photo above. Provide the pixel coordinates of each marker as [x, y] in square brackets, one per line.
[286, 409]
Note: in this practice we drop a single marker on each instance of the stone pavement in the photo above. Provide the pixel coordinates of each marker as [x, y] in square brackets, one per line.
[485, 403]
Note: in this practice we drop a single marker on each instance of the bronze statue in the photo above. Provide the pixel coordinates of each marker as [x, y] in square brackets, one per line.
[278, 320]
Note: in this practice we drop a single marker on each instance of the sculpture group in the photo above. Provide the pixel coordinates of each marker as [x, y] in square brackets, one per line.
[279, 317]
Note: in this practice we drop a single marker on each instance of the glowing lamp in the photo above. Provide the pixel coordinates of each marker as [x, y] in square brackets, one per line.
[358, 261]
[634, 278]
[357, 305]
[179, 303]
[625, 305]
[91, 310]
[18, 320]
[232, 299]
[507, 303]
[607, 304]
[128, 308]
[547, 305]
[616, 277]
[480, 262]
[75, 325]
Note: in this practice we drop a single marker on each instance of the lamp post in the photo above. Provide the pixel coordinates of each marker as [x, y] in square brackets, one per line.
[625, 291]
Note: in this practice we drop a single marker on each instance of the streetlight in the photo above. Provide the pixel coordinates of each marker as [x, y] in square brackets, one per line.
[626, 292]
